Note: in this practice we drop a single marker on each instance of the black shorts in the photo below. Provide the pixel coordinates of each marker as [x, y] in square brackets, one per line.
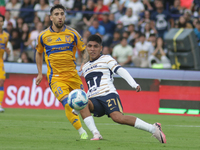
[106, 104]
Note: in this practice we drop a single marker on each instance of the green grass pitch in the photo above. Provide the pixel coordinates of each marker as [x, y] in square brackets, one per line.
[36, 129]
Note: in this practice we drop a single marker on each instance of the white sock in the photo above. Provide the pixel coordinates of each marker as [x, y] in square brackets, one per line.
[140, 124]
[89, 121]
[81, 130]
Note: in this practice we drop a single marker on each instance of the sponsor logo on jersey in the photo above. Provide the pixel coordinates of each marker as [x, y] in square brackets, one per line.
[91, 68]
[68, 39]
[49, 39]
[58, 40]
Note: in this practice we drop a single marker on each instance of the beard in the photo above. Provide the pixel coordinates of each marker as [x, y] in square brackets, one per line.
[59, 25]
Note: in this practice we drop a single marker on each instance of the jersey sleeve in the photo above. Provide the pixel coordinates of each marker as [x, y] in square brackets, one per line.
[112, 64]
[40, 44]
[79, 41]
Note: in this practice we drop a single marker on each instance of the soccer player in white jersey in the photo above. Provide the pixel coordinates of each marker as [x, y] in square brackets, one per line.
[104, 99]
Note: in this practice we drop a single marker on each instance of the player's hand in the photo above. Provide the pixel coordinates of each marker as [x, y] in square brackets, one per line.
[7, 50]
[138, 88]
[81, 68]
[38, 79]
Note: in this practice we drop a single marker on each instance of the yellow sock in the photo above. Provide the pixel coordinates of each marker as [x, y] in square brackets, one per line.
[75, 120]
[1, 95]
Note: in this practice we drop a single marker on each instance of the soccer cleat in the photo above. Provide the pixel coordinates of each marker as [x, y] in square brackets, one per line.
[159, 134]
[97, 136]
[84, 136]
[1, 109]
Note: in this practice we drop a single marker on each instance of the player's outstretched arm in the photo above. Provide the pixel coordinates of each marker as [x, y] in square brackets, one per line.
[39, 61]
[85, 58]
[125, 75]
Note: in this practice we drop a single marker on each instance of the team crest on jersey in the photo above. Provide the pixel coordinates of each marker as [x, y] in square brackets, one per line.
[68, 39]
[49, 39]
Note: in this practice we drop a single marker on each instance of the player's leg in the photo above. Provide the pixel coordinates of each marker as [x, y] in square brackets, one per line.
[112, 104]
[89, 121]
[61, 91]
[1, 94]
[2, 79]
[155, 129]
[76, 83]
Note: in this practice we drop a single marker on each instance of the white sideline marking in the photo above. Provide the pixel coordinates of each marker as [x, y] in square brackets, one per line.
[112, 124]
[184, 126]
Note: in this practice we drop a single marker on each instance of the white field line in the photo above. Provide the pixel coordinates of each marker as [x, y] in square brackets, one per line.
[107, 124]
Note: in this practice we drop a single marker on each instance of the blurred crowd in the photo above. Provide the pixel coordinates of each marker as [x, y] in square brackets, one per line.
[133, 31]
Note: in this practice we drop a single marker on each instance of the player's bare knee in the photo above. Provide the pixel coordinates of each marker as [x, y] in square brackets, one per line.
[90, 105]
[1, 82]
[117, 117]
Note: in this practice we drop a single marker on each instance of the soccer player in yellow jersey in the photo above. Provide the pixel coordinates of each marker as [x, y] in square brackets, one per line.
[4, 37]
[59, 44]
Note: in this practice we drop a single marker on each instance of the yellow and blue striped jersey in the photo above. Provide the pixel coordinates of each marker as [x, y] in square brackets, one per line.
[60, 49]
[4, 37]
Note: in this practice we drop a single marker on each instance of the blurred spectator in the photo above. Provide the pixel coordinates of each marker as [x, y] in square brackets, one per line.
[24, 58]
[9, 19]
[76, 17]
[148, 30]
[124, 5]
[34, 23]
[86, 34]
[9, 29]
[115, 6]
[47, 21]
[14, 4]
[9, 57]
[106, 50]
[16, 43]
[144, 21]
[100, 8]
[152, 39]
[160, 19]
[31, 43]
[129, 18]
[197, 31]
[158, 58]
[27, 15]
[42, 9]
[143, 50]
[107, 2]
[89, 17]
[123, 52]
[137, 7]
[147, 5]
[195, 5]
[188, 15]
[34, 2]
[176, 8]
[2, 7]
[131, 30]
[125, 34]
[96, 28]
[116, 39]
[25, 34]
[109, 29]
[183, 24]
[20, 22]
[119, 27]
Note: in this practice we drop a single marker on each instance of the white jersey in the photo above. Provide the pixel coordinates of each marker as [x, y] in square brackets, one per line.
[99, 76]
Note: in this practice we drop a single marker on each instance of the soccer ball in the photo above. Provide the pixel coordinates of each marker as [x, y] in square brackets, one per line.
[77, 99]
